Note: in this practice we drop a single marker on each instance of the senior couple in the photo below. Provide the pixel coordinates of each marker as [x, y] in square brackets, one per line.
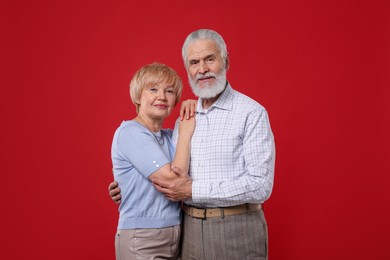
[221, 170]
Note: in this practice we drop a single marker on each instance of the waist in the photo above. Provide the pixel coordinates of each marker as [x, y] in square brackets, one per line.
[203, 213]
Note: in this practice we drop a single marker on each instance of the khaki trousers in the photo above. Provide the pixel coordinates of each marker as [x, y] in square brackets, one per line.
[147, 244]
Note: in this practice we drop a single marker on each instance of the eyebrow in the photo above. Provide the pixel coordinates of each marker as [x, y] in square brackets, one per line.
[203, 58]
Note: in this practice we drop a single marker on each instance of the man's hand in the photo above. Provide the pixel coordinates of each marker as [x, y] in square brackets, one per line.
[177, 189]
[115, 192]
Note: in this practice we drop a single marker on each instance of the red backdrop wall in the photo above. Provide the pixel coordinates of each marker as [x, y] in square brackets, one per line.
[321, 68]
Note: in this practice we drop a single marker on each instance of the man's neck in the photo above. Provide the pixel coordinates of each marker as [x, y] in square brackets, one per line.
[208, 102]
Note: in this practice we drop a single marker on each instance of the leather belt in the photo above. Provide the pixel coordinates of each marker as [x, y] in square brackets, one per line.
[220, 212]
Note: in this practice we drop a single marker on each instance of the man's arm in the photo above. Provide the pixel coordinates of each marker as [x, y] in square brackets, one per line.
[177, 189]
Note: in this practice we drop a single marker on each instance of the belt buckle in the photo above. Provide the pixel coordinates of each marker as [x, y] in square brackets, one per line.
[200, 213]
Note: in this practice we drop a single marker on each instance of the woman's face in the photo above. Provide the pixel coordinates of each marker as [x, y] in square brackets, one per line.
[157, 101]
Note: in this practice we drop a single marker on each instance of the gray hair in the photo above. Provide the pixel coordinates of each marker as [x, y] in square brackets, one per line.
[205, 34]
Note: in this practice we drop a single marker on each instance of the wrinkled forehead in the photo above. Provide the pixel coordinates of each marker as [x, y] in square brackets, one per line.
[202, 48]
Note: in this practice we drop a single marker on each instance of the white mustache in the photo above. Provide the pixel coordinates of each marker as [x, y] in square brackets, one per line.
[208, 75]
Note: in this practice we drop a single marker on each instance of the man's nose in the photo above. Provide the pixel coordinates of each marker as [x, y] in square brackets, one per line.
[203, 68]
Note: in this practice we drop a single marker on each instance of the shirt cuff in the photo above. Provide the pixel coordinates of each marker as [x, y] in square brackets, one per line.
[199, 191]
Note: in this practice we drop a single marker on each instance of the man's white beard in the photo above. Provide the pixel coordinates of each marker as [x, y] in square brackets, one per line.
[208, 90]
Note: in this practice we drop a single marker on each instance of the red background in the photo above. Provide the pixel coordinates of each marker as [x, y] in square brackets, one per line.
[321, 68]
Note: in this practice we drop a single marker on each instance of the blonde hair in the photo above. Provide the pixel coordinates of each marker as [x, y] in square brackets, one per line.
[150, 75]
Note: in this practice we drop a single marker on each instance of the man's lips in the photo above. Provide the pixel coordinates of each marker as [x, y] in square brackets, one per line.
[205, 79]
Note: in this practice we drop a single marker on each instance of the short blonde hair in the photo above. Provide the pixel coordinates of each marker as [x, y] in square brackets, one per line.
[151, 74]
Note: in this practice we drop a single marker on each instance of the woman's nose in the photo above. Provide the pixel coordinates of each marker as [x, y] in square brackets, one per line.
[161, 95]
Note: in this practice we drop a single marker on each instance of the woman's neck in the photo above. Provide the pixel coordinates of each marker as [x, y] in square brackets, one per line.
[152, 125]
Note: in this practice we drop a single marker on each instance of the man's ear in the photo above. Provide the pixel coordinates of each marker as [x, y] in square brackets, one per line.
[227, 62]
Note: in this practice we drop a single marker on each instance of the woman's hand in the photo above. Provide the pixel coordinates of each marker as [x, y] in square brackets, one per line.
[188, 109]
[187, 127]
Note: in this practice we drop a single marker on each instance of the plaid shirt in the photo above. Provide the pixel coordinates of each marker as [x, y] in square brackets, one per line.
[232, 152]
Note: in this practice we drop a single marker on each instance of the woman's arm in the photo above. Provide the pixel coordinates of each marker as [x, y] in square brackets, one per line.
[182, 155]
[187, 110]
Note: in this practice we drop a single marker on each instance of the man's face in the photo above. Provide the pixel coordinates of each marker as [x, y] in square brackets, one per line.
[206, 69]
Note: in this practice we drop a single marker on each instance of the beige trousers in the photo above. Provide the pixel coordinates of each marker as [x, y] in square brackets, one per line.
[147, 244]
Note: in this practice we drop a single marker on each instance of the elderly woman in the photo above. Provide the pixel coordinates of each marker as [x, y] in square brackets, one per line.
[149, 224]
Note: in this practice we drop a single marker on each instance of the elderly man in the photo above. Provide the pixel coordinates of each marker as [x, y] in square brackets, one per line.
[232, 162]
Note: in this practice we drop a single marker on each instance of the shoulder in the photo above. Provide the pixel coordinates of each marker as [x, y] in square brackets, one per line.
[130, 128]
[246, 103]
